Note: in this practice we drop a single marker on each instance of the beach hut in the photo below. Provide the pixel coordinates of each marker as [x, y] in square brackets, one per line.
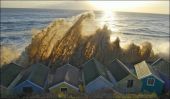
[33, 80]
[94, 76]
[163, 68]
[151, 82]
[123, 80]
[65, 80]
[9, 75]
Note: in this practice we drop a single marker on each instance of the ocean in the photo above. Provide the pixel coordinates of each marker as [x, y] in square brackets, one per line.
[17, 24]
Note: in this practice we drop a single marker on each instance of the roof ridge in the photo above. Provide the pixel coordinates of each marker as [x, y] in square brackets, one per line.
[88, 61]
[66, 72]
[160, 60]
[94, 61]
[153, 72]
[35, 66]
[113, 60]
[156, 61]
[148, 67]
[118, 69]
[67, 69]
[43, 65]
[72, 66]
[15, 64]
[124, 66]
[32, 71]
[96, 65]
[62, 67]
[92, 66]
[144, 65]
[103, 71]
[68, 64]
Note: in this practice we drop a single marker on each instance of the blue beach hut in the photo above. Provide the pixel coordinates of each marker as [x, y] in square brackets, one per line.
[95, 77]
[151, 81]
[10, 73]
[33, 80]
[163, 68]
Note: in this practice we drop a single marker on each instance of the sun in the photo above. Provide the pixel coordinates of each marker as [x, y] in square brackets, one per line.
[110, 7]
[109, 17]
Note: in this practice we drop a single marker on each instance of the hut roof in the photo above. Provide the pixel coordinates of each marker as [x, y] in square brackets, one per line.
[118, 70]
[8, 73]
[67, 73]
[37, 74]
[162, 66]
[143, 70]
[93, 69]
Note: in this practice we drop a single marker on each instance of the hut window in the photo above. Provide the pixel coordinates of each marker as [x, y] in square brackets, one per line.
[150, 81]
[130, 84]
[27, 89]
[64, 90]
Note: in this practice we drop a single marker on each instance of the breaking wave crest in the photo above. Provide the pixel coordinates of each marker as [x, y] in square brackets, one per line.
[8, 54]
[78, 39]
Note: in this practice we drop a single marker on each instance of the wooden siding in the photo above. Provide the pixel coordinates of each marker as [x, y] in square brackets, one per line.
[36, 89]
[98, 84]
[121, 86]
[158, 85]
[167, 82]
[56, 89]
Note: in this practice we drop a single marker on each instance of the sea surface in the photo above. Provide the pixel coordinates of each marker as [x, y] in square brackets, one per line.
[16, 25]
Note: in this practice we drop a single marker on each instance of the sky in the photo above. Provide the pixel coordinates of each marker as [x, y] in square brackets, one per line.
[125, 6]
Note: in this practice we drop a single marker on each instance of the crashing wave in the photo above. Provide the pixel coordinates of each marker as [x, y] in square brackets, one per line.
[63, 41]
[8, 54]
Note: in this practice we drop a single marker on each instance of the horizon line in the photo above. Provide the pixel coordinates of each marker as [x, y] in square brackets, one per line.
[85, 10]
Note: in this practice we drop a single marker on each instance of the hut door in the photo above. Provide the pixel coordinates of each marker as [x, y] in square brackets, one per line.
[64, 90]
[130, 84]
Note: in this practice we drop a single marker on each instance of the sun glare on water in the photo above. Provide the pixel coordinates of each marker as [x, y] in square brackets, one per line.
[108, 18]
[109, 7]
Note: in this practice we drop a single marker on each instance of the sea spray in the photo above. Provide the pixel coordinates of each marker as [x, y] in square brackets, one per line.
[162, 50]
[63, 42]
[8, 54]
[72, 41]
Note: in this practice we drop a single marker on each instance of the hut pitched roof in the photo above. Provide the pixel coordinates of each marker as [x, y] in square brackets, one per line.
[37, 74]
[118, 70]
[8, 73]
[162, 66]
[143, 70]
[93, 69]
[67, 73]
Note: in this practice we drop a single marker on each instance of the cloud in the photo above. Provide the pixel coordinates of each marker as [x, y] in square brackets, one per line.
[76, 5]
